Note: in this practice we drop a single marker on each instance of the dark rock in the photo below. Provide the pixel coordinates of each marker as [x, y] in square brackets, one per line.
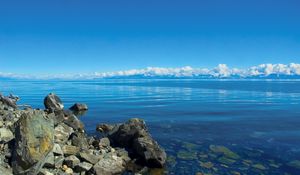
[83, 166]
[52, 102]
[34, 137]
[134, 135]
[72, 121]
[79, 107]
[71, 161]
[104, 127]
[149, 151]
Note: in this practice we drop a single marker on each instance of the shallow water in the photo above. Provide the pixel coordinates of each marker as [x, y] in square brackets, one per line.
[206, 126]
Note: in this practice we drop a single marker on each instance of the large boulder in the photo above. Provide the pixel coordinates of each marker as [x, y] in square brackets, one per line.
[52, 102]
[134, 136]
[34, 140]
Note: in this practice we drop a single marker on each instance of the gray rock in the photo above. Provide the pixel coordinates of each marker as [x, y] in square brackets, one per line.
[34, 141]
[5, 135]
[79, 107]
[104, 128]
[70, 150]
[88, 157]
[57, 149]
[5, 171]
[110, 164]
[62, 133]
[104, 142]
[83, 166]
[1, 124]
[71, 161]
[8, 102]
[52, 102]
[50, 161]
[58, 161]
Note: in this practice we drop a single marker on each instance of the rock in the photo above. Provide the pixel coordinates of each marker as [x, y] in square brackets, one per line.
[5, 171]
[104, 128]
[69, 171]
[34, 136]
[186, 155]
[150, 152]
[104, 142]
[9, 102]
[57, 149]
[52, 102]
[80, 140]
[1, 124]
[79, 107]
[83, 166]
[71, 161]
[72, 121]
[5, 135]
[45, 172]
[70, 150]
[58, 161]
[110, 164]
[259, 166]
[50, 161]
[135, 136]
[86, 156]
[62, 133]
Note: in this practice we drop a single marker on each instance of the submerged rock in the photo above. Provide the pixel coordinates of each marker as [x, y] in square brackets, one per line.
[223, 150]
[52, 102]
[294, 164]
[34, 141]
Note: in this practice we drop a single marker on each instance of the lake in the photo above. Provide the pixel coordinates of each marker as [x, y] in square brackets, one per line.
[205, 126]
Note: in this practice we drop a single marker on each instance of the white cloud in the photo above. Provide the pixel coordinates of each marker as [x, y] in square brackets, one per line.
[220, 71]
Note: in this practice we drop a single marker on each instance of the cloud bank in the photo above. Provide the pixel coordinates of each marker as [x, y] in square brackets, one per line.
[221, 71]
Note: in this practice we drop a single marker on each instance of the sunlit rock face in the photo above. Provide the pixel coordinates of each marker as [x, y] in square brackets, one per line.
[34, 140]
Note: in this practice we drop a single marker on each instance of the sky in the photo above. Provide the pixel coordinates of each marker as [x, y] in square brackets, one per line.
[82, 36]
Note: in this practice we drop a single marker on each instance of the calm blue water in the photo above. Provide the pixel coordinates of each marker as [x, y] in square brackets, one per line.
[257, 119]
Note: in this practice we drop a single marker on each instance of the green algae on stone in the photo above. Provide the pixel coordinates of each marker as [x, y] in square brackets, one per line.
[226, 160]
[187, 155]
[223, 150]
[259, 166]
[190, 146]
[294, 164]
[207, 165]
[171, 160]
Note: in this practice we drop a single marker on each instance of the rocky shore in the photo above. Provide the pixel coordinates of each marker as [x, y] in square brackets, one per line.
[53, 141]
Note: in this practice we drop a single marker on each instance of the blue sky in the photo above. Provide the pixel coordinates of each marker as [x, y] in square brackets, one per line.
[73, 36]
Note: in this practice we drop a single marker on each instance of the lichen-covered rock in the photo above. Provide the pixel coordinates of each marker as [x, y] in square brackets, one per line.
[34, 141]
[52, 102]
[89, 157]
[83, 166]
[62, 133]
[70, 150]
[71, 161]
